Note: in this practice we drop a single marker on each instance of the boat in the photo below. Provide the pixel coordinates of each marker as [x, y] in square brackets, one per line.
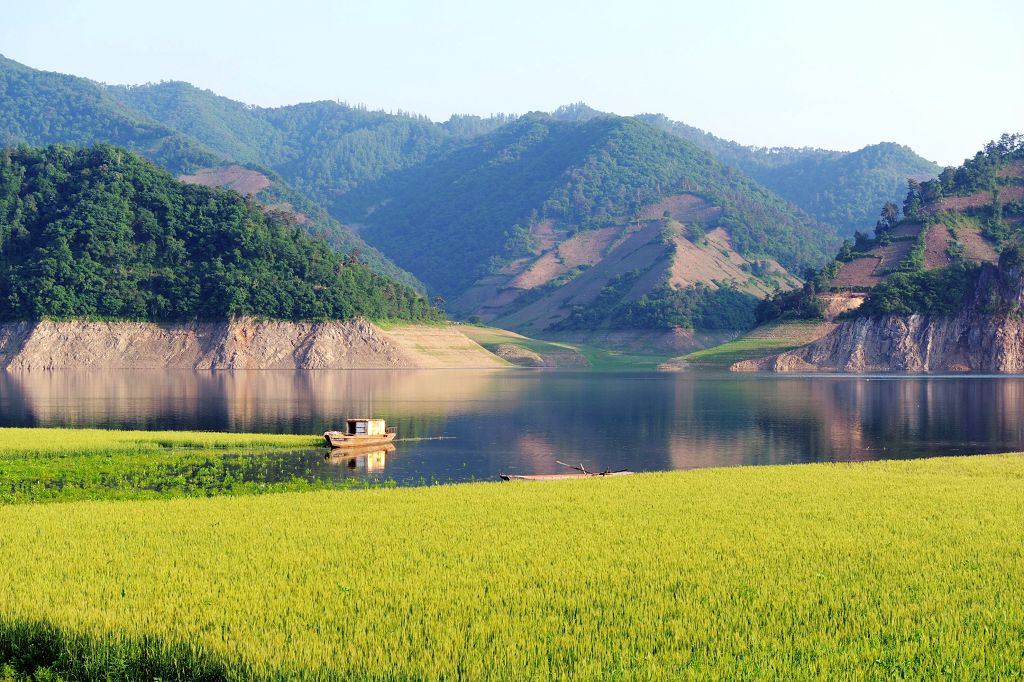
[581, 472]
[360, 433]
[560, 477]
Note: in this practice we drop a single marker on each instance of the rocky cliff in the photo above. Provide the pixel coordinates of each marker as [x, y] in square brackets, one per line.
[236, 344]
[987, 335]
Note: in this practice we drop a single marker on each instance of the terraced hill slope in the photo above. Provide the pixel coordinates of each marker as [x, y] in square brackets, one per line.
[936, 300]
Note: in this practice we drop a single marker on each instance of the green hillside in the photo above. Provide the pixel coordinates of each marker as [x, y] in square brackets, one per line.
[324, 149]
[843, 189]
[924, 259]
[41, 108]
[967, 215]
[451, 218]
[102, 233]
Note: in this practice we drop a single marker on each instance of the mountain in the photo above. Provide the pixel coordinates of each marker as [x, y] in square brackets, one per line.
[963, 218]
[573, 212]
[842, 189]
[42, 108]
[553, 222]
[941, 287]
[448, 200]
[102, 233]
[324, 149]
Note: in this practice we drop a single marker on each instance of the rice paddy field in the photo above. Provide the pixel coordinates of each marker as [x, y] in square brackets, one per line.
[883, 570]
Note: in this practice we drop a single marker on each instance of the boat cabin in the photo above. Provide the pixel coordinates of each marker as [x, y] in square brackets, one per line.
[364, 427]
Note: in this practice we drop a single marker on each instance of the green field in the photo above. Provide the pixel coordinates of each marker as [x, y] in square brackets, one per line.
[888, 570]
[87, 464]
[758, 343]
[594, 357]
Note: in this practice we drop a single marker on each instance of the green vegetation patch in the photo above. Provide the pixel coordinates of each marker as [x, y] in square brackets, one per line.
[933, 292]
[593, 356]
[615, 360]
[883, 570]
[60, 442]
[763, 341]
[695, 307]
[102, 233]
[88, 464]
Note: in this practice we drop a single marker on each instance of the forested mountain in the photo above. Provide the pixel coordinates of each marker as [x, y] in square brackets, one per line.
[559, 221]
[460, 201]
[843, 189]
[938, 288]
[924, 258]
[541, 217]
[100, 232]
[324, 149]
[327, 149]
[462, 206]
[41, 108]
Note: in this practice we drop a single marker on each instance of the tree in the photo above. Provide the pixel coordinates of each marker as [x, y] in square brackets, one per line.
[912, 204]
[846, 251]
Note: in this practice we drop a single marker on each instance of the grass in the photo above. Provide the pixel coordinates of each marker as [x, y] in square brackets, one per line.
[89, 464]
[733, 351]
[601, 359]
[608, 360]
[885, 570]
[14, 441]
[758, 343]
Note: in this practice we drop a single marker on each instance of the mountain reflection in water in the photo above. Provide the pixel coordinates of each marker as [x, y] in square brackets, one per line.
[522, 421]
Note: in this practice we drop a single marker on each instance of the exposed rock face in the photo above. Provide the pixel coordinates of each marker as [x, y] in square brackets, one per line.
[238, 344]
[987, 335]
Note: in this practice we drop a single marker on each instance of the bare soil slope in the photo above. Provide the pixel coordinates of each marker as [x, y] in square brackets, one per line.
[242, 180]
[238, 344]
[568, 269]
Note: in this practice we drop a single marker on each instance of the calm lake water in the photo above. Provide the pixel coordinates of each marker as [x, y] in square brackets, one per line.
[475, 424]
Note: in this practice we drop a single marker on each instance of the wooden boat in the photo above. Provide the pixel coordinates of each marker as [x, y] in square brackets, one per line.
[581, 472]
[560, 477]
[359, 433]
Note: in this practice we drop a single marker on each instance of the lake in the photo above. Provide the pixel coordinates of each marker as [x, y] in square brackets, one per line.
[470, 425]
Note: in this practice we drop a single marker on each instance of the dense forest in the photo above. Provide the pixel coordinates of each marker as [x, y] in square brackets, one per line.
[40, 108]
[446, 218]
[695, 307]
[842, 189]
[102, 233]
[325, 149]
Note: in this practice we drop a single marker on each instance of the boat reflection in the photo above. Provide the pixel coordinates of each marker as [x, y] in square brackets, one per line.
[370, 459]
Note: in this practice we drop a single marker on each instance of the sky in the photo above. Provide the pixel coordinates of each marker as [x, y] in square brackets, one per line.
[941, 76]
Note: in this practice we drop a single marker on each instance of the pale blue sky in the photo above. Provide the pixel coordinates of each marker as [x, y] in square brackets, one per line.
[941, 76]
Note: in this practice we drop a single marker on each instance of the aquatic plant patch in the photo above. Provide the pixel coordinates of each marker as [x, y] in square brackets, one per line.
[902, 569]
[62, 465]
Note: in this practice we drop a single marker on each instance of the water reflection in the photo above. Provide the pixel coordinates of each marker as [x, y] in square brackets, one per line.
[371, 459]
[522, 421]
